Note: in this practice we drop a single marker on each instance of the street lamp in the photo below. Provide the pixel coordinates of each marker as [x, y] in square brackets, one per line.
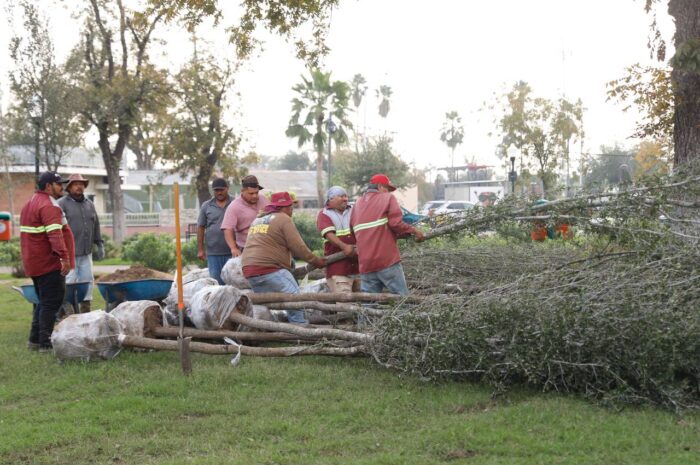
[512, 176]
[331, 128]
[36, 112]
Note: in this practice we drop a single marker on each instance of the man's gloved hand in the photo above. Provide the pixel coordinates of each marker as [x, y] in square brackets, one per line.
[100, 251]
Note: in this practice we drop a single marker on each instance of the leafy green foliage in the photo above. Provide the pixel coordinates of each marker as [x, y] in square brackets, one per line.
[354, 170]
[306, 225]
[10, 255]
[155, 251]
[189, 254]
[111, 249]
[648, 90]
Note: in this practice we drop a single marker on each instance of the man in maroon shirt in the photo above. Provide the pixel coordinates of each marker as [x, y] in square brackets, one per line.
[376, 221]
[48, 255]
[333, 222]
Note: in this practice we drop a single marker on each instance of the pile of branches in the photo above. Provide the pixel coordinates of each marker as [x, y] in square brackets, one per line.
[614, 316]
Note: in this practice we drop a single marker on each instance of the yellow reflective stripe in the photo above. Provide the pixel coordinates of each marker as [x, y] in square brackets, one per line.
[32, 230]
[327, 230]
[343, 232]
[53, 227]
[373, 224]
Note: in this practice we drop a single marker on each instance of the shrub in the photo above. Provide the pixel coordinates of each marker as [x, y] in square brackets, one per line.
[189, 254]
[306, 224]
[10, 256]
[155, 251]
[112, 250]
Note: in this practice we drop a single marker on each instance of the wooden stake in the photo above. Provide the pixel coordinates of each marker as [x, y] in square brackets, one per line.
[330, 308]
[328, 333]
[217, 349]
[258, 336]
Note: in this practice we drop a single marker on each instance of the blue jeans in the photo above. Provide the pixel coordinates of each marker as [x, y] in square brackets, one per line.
[392, 278]
[82, 273]
[279, 281]
[216, 263]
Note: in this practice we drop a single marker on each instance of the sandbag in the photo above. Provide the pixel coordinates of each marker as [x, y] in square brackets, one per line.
[87, 336]
[232, 273]
[211, 306]
[193, 275]
[139, 317]
[317, 286]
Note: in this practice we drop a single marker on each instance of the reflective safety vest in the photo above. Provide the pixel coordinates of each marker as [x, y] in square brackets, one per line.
[376, 221]
[45, 237]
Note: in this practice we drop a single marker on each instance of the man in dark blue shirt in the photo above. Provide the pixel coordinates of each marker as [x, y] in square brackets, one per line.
[209, 231]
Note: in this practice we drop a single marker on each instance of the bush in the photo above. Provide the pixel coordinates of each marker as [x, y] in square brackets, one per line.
[189, 254]
[10, 256]
[155, 251]
[306, 224]
[112, 250]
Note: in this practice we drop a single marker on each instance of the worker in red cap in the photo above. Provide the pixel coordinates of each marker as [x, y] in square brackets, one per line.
[376, 221]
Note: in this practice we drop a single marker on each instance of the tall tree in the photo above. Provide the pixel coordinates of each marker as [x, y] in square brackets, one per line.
[149, 137]
[109, 73]
[376, 156]
[685, 75]
[41, 86]
[566, 127]
[452, 134]
[294, 161]
[285, 18]
[200, 140]
[316, 99]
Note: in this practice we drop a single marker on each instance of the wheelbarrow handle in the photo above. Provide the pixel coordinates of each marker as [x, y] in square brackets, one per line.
[18, 289]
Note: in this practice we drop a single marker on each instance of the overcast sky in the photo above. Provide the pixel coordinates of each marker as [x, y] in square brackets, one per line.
[437, 56]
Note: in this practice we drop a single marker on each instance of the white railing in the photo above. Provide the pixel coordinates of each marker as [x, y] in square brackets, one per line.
[133, 219]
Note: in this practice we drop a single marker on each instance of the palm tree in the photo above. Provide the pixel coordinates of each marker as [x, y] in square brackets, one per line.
[319, 99]
[359, 89]
[452, 134]
[384, 92]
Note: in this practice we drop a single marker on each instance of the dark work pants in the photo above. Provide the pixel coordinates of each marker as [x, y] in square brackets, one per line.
[51, 288]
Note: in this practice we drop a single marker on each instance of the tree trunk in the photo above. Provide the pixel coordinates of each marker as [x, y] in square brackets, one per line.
[262, 298]
[686, 125]
[112, 161]
[215, 349]
[319, 178]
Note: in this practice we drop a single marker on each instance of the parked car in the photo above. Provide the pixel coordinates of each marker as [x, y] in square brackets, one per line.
[430, 207]
[454, 206]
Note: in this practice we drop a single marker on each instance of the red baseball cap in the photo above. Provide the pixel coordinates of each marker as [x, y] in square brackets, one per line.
[382, 179]
[281, 199]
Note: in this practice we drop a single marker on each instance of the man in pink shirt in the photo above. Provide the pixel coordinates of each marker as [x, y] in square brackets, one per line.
[241, 213]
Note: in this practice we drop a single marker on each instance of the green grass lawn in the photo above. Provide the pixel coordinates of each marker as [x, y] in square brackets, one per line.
[139, 409]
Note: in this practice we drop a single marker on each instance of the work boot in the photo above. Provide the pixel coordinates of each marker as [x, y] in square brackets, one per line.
[32, 345]
[45, 348]
[85, 306]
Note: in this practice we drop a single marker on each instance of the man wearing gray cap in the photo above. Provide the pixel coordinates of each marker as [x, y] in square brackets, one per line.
[217, 252]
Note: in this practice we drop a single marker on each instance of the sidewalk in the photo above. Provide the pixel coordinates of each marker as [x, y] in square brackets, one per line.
[96, 269]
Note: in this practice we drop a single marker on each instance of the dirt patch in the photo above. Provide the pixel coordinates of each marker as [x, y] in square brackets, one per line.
[133, 273]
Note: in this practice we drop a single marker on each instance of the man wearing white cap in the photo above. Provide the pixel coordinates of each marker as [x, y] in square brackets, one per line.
[333, 222]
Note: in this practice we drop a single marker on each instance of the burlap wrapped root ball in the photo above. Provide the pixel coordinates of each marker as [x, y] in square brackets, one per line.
[139, 317]
[232, 273]
[87, 336]
[211, 306]
[189, 289]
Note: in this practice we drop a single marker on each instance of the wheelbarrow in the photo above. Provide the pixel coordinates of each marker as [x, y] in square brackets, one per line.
[75, 293]
[115, 293]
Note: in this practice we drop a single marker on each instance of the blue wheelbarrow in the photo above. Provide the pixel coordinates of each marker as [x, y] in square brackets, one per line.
[75, 293]
[115, 293]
